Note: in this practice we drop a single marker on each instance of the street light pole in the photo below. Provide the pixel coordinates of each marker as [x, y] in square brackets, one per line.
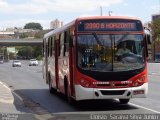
[109, 13]
[101, 10]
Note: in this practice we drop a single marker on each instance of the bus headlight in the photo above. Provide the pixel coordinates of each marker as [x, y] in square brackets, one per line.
[84, 83]
[139, 81]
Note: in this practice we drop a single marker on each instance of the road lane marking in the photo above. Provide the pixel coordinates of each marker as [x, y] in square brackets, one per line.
[5, 85]
[144, 108]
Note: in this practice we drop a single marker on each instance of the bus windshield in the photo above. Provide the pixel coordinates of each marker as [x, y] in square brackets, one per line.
[110, 52]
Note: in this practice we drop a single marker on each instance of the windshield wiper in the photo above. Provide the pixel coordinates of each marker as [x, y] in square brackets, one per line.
[97, 39]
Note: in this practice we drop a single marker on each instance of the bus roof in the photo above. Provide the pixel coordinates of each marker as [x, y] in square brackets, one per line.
[63, 28]
[108, 17]
[59, 29]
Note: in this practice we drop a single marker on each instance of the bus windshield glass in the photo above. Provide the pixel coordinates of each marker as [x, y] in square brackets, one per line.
[104, 53]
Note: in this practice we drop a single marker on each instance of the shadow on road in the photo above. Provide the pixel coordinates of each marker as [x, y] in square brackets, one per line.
[40, 101]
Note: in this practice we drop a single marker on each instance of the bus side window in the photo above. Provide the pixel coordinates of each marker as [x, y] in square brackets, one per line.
[66, 43]
[48, 47]
[53, 45]
[61, 44]
[43, 48]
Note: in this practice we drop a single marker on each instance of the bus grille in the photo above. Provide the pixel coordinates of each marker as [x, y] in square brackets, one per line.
[112, 92]
[109, 85]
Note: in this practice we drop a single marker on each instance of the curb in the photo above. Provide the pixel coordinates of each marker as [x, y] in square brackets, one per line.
[15, 95]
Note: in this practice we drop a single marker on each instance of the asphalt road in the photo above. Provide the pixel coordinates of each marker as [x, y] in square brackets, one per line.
[28, 83]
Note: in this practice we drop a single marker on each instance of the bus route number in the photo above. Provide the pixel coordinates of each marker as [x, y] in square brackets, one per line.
[90, 26]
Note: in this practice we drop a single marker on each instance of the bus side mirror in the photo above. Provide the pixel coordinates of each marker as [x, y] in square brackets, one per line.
[148, 38]
[148, 42]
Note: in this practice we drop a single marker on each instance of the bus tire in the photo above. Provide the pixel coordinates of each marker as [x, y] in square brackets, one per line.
[124, 101]
[51, 89]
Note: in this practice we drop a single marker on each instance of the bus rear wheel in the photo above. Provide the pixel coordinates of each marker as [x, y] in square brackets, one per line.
[124, 101]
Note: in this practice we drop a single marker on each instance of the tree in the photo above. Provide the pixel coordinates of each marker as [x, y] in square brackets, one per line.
[155, 25]
[34, 26]
[39, 34]
[30, 51]
[37, 51]
[25, 51]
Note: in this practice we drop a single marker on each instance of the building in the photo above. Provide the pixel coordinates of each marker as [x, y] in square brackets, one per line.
[155, 17]
[6, 35]
[56, 24]
[12, 33]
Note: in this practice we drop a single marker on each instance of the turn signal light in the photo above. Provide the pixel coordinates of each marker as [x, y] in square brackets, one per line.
[138, 92]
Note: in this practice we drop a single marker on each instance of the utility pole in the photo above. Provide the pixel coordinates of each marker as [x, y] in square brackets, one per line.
[101, 10]
[109, 13]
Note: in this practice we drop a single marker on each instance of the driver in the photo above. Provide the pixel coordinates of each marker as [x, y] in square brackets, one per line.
[123, 50]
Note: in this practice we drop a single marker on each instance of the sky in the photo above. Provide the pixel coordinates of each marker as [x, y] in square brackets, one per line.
[16, 13]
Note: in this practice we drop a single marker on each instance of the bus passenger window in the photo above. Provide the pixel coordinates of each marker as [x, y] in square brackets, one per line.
[66, 43]
[61, 44]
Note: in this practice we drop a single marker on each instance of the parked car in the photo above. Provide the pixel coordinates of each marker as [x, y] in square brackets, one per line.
[33, 62]
[16, 63]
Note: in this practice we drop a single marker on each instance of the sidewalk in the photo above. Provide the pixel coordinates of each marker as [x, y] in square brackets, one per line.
[9, 103]
[5, 94]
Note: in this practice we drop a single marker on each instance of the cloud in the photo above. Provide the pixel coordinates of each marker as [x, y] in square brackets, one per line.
[27, 8]
[3, 5]
[21, 22]
[44, 6]
[125, 4]
[75, 5]
[155, 8]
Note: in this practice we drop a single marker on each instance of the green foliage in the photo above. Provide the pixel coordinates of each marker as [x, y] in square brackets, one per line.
[25, 51]
[34, 26]
[39, 34]
[37, 51]
[24, 35]
[30, 52]
[155, 25]
[40, 57]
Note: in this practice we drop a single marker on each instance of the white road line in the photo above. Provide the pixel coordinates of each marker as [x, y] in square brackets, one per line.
[21, 99]
[145, 108]
[11, 90]
[5, 85]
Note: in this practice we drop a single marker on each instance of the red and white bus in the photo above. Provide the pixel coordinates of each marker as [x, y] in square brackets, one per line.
[82, 59]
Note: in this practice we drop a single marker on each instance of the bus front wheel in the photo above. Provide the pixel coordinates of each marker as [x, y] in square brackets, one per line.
[124, 101]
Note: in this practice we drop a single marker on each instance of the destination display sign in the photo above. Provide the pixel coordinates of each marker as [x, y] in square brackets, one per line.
[110, 25]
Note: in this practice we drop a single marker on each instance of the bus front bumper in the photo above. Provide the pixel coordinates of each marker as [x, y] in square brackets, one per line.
[83, 93]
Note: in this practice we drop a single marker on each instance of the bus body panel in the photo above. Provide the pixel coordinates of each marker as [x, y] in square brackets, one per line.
[90, 93]
[66, 68]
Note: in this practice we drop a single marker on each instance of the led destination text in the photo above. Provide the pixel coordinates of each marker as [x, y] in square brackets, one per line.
[90, 26]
